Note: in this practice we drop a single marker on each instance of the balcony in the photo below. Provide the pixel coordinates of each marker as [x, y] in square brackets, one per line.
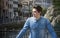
[12, 22]
[15, 0]
[15, 5]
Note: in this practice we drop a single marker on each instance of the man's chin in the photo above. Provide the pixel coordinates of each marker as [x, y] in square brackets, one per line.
[34, 16]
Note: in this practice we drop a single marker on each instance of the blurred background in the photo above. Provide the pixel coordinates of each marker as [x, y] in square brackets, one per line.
[13, 14]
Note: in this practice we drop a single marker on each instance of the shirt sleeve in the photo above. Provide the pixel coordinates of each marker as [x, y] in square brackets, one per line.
[24, 29]
[51, 29]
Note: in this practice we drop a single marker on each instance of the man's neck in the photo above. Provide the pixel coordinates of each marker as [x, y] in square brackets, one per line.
[38, 17]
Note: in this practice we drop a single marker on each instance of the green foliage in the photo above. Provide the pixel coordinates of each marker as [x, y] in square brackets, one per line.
[56, 2]
[44, 11]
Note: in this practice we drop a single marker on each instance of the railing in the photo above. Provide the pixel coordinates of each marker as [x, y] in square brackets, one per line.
[13, 33]
[9, 20]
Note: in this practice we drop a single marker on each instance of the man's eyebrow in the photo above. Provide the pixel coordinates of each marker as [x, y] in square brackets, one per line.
[34, 11]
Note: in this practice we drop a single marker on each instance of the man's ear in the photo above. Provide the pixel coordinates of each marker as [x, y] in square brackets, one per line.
[40, 13]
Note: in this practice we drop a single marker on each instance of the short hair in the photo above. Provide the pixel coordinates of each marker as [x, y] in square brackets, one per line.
[38, 8]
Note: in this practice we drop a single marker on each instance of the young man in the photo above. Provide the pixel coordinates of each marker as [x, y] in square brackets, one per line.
[37, 25]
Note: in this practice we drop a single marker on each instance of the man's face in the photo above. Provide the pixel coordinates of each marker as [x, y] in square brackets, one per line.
[35, 12]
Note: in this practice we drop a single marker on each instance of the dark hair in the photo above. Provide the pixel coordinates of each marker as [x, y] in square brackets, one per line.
[38, 8]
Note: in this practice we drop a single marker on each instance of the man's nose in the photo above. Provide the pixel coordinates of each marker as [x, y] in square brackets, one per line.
[34, 13]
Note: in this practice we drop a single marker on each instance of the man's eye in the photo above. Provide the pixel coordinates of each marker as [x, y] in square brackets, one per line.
[34, 11]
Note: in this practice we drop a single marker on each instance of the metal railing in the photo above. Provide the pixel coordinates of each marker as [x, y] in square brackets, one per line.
[11, 33]
[10, 21]
[5, 33]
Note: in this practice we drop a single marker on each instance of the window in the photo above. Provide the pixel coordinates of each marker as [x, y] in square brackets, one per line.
[30, 2]
[10, 0]
[38, 1]
[20, 5]
[15, 9]
[15, 2]
[48, 1]
[6, 3]
[3, 11]
[10, 5]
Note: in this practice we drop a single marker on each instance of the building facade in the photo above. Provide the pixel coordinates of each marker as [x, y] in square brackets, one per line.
[9, 10]
[43, 3]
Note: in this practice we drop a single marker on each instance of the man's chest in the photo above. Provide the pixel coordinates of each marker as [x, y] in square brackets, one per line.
[37, 24]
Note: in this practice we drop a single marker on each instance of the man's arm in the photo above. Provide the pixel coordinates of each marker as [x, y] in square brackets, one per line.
[24, 29]
[51, 29]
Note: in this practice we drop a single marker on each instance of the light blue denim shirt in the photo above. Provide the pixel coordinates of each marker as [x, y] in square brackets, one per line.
[37, 28]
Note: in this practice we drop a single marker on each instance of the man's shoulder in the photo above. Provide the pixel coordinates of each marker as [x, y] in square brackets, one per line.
[45, 18]
[30, 18]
